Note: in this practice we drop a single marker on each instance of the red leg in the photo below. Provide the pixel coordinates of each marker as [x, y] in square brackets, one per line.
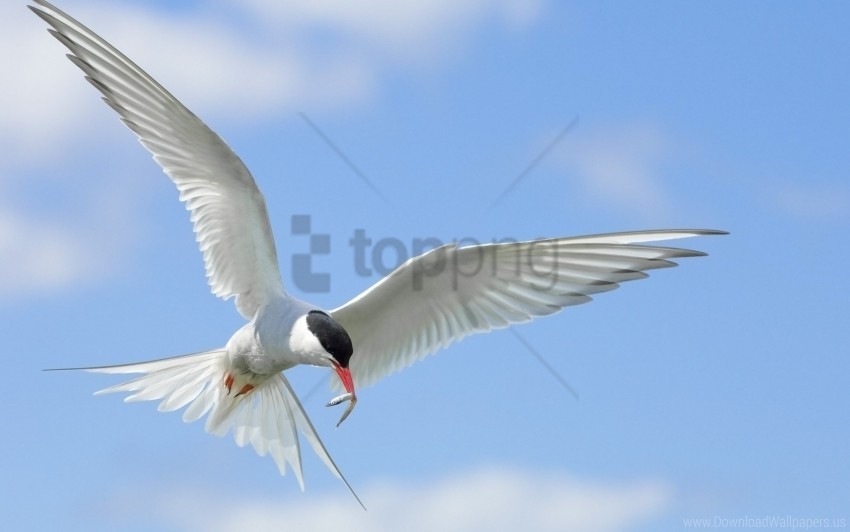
[245, 389]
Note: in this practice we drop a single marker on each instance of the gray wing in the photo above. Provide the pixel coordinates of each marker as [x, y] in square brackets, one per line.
[451, 292]
[228, 211]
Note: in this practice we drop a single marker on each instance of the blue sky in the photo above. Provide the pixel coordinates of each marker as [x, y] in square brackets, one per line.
[717, 390]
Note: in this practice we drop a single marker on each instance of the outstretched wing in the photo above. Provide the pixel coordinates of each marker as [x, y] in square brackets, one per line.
[227, 209]
[450, 292]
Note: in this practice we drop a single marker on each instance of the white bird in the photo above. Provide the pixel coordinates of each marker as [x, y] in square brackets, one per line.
[424, 305]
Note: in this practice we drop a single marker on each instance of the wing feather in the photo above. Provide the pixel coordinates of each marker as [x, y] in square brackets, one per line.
[451, 292]
[228, 211]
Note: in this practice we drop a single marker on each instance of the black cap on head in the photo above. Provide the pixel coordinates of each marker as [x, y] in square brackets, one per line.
[331, 335]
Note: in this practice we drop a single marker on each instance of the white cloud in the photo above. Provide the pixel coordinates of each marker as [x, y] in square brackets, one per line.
[288, 56]
[494, 500]
[392, 28]
[622, 167]
[209, 64]
[39, 110]
[813, 201]
[229, 61]
[46, 247]
[39, 256]
[224, 70]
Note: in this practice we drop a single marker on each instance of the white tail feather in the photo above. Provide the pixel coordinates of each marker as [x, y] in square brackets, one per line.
[268, 418]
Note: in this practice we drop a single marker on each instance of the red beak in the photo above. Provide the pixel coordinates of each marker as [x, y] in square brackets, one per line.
[345, 377]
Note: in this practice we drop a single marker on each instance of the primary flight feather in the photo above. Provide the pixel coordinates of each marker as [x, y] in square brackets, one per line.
[424, 305]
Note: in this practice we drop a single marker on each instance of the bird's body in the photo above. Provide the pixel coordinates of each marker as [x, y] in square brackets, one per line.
[424, 305]
[265, 345]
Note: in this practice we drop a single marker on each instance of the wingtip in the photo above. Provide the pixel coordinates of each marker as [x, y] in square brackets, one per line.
[691, 232]
[41, 9]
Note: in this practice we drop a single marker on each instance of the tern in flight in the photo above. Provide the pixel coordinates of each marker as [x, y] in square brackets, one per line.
[426, 304]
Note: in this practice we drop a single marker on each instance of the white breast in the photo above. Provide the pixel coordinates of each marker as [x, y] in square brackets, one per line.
[276, 339]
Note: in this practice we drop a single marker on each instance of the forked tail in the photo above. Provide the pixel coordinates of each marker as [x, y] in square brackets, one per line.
[268, 418]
